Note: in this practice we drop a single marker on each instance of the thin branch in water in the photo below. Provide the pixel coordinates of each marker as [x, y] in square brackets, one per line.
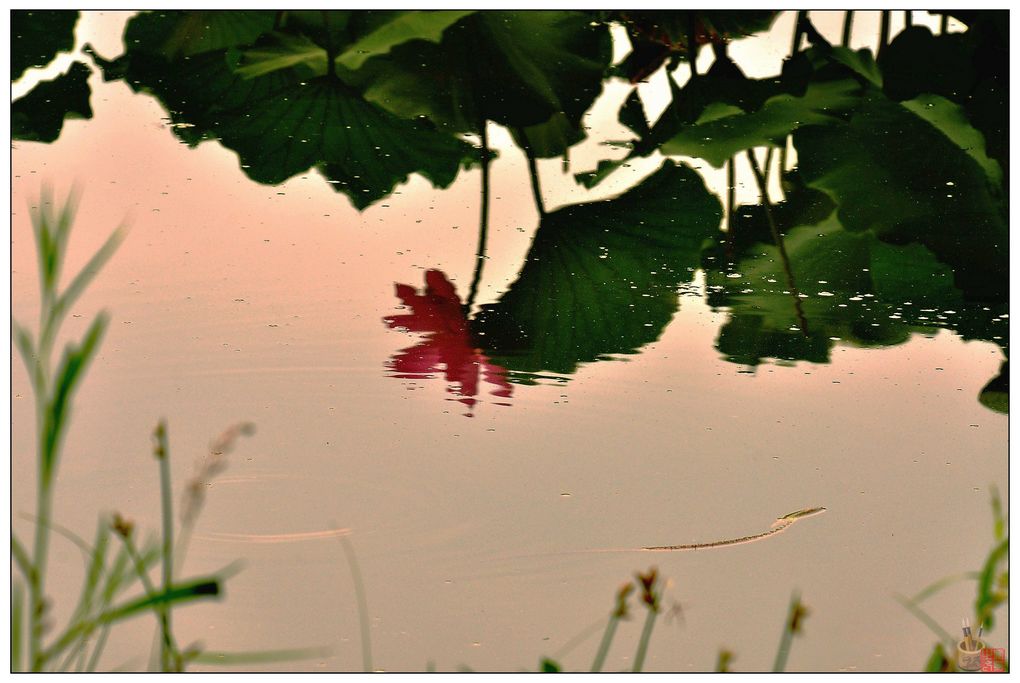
[536, 187]
[778, 239]
[483, 227]
[359, 592]
[692, 44]
[883, 34]
[944, 25]
[798, 31]
[731, 193]
[908, 18]
[848, 24]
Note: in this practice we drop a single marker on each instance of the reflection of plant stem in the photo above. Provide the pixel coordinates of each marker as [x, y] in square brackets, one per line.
[359, 592]
[536, 188]
[883, 34]
[483, 227]
[731, 192]
[778, 239]
[692, 44]
[330, 48]
[908, 18]
[848, 23]
[944, 24]
[783, 160]
[798, 31]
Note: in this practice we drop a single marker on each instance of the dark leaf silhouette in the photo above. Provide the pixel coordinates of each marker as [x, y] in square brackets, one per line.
[39, 116]
[37, 36]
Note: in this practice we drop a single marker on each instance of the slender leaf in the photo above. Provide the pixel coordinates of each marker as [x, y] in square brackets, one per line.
[72, 366]
[21, 557]
[987, 598]
[217, 658]
[17, 621]
[85, 276]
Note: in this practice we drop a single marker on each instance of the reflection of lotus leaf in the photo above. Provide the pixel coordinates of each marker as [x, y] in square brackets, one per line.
[39, 115]
[516, 68]
[601, 278]
[37, 36]
[895, 174]
[282, 125]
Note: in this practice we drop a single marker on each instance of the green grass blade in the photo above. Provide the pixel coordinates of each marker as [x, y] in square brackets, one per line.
[938, 662]
[21, 558]
[934, 588]
[215, 658]
[607, 640]
[1000, 519]
[94, 570]
[72, 366]
[85, 276]
[162, 452]
[196, 589]
[646, 636]
[987, 599]
[97, 650]
[26, 349]
[62, 228]
[923, 616]
[17, 618]
[791, 626]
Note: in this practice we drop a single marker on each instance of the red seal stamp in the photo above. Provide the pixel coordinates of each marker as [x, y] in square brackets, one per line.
[993, 660]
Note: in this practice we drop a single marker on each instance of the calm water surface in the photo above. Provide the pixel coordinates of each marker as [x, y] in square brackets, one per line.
[234, 301]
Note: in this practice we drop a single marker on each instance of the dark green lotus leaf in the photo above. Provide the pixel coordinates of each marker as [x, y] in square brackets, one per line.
[37, 36]
[516, 68]
[382, 31]
[723, 90]
[995, 394]
[723, 130]
[549, 139]
[917, 62]
[895, 174]
[951, 120]
[39, 116]
[837, 286]
[174, 33]
[971, 69]
[861, 62]
[601, 278]
[282, 125]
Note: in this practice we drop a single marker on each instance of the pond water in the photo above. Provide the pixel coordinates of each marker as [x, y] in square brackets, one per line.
[611, 388]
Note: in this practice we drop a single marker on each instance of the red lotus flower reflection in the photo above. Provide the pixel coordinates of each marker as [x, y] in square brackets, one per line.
[447, 345]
